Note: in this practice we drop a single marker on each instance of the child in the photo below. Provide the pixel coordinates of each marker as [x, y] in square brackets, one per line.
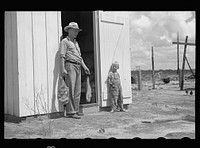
[115, 88]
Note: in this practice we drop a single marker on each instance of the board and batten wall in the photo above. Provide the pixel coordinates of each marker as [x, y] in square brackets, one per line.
[31, 62]
[114, 46]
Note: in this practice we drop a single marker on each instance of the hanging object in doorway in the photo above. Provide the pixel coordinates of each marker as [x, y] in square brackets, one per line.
[88, 90]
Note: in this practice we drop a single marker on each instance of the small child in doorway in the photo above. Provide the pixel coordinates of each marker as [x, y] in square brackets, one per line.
[115, 88]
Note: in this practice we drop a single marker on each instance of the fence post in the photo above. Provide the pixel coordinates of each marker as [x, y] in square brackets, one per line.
[139, 78]
[183, 66]
[153, 75]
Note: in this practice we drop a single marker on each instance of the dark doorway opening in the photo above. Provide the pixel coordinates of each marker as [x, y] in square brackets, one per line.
[86, 42]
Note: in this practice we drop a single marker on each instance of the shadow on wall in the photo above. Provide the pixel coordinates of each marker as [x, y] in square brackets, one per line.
[56, 75]
[108, 87]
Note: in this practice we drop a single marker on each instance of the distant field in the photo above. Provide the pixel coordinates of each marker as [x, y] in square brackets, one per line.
[172, 74]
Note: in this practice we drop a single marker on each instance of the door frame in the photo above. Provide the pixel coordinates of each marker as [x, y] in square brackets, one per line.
[97, 61]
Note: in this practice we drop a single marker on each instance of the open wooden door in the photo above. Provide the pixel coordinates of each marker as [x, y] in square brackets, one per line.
[113, 34]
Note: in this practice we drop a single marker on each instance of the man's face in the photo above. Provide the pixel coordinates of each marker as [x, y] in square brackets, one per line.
[73, 32]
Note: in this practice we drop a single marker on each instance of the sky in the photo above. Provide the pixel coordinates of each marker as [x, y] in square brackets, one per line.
[158, 29]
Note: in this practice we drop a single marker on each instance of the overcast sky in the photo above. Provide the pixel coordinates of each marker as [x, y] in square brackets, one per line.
[159, 29]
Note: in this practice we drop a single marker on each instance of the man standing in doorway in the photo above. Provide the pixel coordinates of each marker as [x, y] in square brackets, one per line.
[71, 62]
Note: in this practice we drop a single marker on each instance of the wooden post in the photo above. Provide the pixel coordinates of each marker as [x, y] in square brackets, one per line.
[177, 53]
[178, 70]
[189, 66]
[183, 66]
[153, 75]
[181, 72]
[183, 43]
[139, 78]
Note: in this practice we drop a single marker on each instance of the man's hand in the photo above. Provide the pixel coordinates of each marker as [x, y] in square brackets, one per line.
[87, 71]
[64, 72]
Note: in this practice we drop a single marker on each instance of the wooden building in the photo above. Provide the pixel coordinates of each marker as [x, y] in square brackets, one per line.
[31, 66]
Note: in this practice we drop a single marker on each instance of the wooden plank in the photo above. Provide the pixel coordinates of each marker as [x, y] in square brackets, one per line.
[126, 68]
[178, 70]
[25, 62]
[153, 75]
[97, 68]
[183, 66]
[9, 63]
[40, 61]
[6, 24]
[182, 43]
[59, 25]
[15, 64]
[108, 18]
[52, 29]
[189, 66]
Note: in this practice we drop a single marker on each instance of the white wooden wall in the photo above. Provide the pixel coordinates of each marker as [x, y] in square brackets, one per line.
[114, 46]
[11, 93]
[35, 66]
[32, 60]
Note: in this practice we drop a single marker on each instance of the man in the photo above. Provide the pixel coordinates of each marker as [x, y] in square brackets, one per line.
[71, 62]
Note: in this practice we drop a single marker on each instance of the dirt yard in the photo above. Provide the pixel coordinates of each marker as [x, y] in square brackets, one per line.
[162, 112]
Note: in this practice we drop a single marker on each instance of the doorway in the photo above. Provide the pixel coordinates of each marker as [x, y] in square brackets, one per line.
[85, 40]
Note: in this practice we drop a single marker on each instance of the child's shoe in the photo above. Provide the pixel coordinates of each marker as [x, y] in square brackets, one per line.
[112, 111]
[123, 110]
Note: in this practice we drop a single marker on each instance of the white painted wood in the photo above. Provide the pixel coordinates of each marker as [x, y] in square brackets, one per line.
[9, 68]
[15, 64]
[60, 106]
[96, 22]
[57, 63]
[25, 62]
[53, 38]
[114, 46]
[59, 24]
[10, 37]
[126, 74]
[40, 61]
[34, 63]
[31, 62]
[6, 15]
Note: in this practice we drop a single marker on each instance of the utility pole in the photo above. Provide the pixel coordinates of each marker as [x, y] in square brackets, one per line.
[153, 75]
[183, 66]
[181, 73]
[178, 70]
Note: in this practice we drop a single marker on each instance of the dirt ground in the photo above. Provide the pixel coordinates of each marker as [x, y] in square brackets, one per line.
[162, 112]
